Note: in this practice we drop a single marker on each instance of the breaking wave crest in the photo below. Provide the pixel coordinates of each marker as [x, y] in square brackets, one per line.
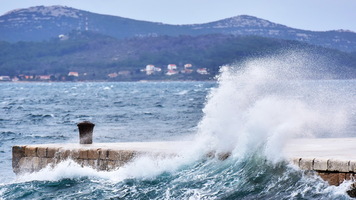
[251, 178]
[262, 103]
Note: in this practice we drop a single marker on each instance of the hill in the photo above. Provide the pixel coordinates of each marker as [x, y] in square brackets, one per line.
[94, 56]
[42, 23]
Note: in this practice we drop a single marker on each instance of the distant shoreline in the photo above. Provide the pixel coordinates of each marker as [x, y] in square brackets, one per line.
[103, 81]
[148, 81]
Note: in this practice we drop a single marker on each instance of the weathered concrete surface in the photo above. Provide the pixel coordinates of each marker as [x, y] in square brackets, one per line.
[324, 148]
[323, 154]
[334, 159]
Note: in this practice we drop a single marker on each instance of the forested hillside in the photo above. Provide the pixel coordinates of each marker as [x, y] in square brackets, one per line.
[98, 55]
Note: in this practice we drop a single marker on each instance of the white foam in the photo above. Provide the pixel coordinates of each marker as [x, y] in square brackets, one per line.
[147, 167]
[143, 167]
[2, 191]
[262, 103]
[65, 170]
[183, 92]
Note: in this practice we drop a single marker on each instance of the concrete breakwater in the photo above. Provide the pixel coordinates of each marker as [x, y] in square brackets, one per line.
[334, 165]
[333, 171]
[31, 158]
[100, 156]
[333, 159]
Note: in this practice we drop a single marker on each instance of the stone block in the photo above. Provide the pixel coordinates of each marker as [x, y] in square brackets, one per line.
[65, 154]
[83, 154]
[352, 166]
[102, 164]
[112, 165]
[306, 163]
[59, 153]
[332, 178]
[342, 177]
[42, 152]
[46, 161]
[114, 155]
[296, 161]
[57, 159]
[126, 156]
[31, 151]
[51, 152]
[338, 166]
[104, 154]
[25, 165]
[36, 163]
[18, 152]
[74, 154]
[320, 164]
[93, 154]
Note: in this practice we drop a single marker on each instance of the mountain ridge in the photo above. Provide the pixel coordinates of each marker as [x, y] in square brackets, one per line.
[45, 22]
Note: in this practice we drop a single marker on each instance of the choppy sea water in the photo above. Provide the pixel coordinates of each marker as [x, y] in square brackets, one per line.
[250, 113]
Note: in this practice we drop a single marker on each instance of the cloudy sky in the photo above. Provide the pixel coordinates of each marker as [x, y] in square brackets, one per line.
[317, 15]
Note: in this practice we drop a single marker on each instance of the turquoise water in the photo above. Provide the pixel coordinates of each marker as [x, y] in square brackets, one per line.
[250, 117]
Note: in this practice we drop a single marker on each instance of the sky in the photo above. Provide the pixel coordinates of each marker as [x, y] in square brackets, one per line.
[315, 15]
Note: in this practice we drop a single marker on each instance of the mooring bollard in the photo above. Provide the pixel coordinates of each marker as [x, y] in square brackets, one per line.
[86, 132]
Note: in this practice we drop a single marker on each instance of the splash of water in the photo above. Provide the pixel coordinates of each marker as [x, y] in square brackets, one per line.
[261, 103]
[256, 108]
[209, 179]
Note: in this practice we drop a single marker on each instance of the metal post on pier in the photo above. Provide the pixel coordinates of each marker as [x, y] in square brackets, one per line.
[86, 132]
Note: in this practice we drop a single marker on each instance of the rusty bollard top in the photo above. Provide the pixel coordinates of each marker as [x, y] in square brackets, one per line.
[86, 132]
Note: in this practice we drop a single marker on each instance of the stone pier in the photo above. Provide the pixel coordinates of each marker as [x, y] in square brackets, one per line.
[100, 156]
[334, 159]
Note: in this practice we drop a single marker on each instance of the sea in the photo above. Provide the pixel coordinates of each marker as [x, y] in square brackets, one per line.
[250, 112]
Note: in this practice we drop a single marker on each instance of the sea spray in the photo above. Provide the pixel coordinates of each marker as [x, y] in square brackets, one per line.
[261, 103]
[255, 108]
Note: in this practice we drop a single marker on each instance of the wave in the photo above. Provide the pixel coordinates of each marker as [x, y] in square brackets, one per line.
[147, 178]
[257, 106]
[262, 103]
